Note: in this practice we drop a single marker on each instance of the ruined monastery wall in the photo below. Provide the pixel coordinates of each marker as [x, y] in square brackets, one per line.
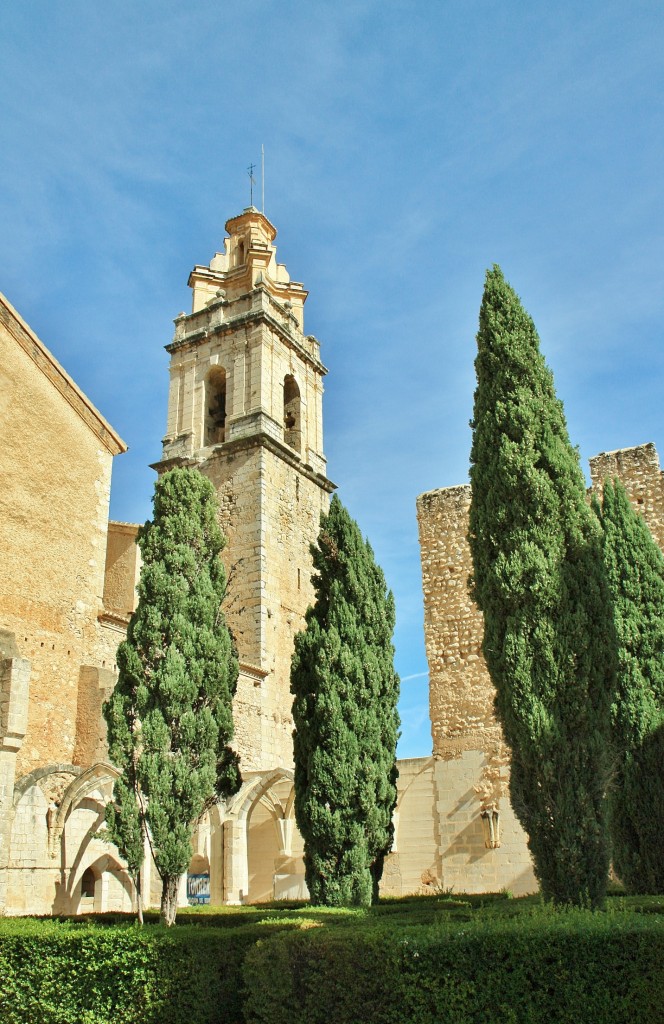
[471, 761]
[638, 470]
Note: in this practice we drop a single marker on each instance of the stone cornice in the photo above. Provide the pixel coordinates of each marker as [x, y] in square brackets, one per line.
[236, 323]
[259, 439]
[59, 378]
[116, 620]
[257, 675]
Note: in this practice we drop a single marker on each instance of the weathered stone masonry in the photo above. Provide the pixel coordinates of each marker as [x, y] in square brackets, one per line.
[471, 762]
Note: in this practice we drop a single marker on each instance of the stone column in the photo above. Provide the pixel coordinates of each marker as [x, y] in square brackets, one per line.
[182, 891]
[14, 690]
[285, 836]
[236, 863]
[216, 859]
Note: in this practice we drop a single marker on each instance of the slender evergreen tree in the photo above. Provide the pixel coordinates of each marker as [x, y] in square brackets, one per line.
[635, 573]
[346, 721]
[538, 579]
[169, 718]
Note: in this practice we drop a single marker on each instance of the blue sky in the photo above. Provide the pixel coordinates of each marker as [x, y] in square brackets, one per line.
[408, 147]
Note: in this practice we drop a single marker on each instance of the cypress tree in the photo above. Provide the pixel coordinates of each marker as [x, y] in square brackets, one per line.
[635, 573]
[538, 579]
[346, 721]
[169, 718]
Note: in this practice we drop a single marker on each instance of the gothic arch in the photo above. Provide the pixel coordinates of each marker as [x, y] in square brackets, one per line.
[112, 885]
[26, 781]
[97, 775]
[267, 810]
[255, 789]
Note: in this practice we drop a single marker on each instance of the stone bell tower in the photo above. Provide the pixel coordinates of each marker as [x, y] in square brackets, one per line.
[245, 407]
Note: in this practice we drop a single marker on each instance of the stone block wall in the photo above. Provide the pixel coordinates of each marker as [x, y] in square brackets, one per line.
[293, 505]
[270, 508]
[471, 774]
[122, 569]
[638, 470]
[415, 855]
[471, 763]
[468, 864]
[460, 691]
[49, 603]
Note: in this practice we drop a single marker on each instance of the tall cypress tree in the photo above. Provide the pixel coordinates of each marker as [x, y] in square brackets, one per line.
[346, 721]
[635, 572]
[538, 579]
[169, 718]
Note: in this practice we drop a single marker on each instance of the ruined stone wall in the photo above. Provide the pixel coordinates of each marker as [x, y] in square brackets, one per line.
[460, 690]
[472, 765]
[471, 769]
[44, 877]
[638, 470]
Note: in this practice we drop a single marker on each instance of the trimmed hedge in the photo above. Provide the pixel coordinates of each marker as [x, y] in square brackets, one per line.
[549, 969]
[82, 974]
[426, 961]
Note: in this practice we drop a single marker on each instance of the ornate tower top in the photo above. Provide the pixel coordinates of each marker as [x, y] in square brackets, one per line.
[246, 407]
[241, 364]
[249, 259]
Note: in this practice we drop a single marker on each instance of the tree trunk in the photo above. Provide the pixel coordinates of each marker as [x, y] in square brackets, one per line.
[139, 898]
[169, 899]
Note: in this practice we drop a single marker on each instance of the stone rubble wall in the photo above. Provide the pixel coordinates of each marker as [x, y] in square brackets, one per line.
[638, 470]
[471, 770]
[471, 762]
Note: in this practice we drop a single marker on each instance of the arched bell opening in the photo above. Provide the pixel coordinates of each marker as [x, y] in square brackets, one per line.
[292, 414]
[215, 404]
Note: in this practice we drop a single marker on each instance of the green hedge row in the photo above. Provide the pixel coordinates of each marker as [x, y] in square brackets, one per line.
[123, 975]
[569, 969]
[512, 964]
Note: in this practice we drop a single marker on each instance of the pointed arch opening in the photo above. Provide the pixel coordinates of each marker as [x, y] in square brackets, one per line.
[215, 404]
[292, 414]
[88, 883]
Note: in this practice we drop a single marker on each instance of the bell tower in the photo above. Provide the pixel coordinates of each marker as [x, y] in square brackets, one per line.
[245, 407]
